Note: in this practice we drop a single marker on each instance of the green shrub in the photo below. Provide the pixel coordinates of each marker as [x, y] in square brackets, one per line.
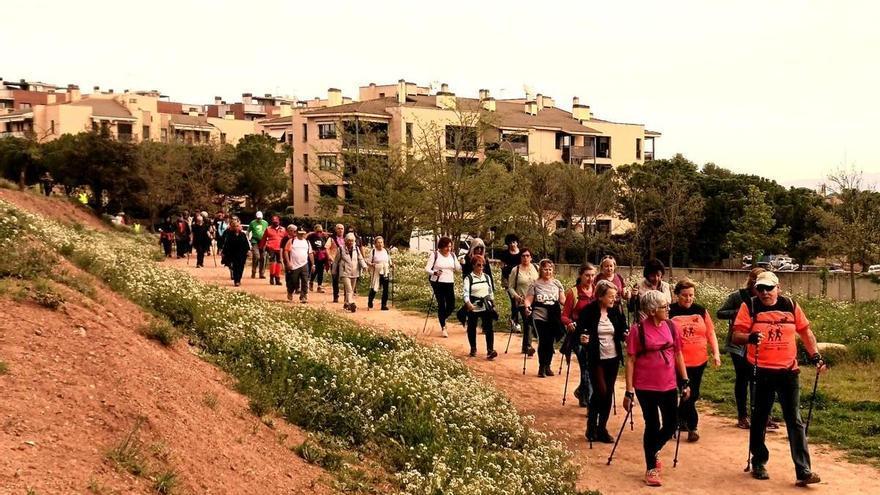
[43, 294]
[864, 352]
[128, 454]
[161, 331]
[165, 482]
[315, 453]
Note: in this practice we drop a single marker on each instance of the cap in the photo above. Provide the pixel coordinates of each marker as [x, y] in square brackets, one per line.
[259, 214]
[302, 230]
[767, 279]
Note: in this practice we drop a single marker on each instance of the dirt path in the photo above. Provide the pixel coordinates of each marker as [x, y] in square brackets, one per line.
[714, 465]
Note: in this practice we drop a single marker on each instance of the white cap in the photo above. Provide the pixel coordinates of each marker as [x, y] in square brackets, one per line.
[259, 214]
[767, 279]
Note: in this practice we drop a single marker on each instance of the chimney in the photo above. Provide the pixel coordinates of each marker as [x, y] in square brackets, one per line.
[484, 93]
[268, 95]
[346, 99]
[580, 112]
[96, 89]
[110, 91]
[549, 102]
[489, 104]
[218, 100]
[334, 97]
[73, 93]
[246, 98]
[539, 99]
[446, 100]
[401, 91]
[444, 88]
[531, 107]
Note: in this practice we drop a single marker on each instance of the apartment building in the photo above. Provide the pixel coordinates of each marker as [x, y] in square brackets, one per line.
[403, 115]
[47, 112]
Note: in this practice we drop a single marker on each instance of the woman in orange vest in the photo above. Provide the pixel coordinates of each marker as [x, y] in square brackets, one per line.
[697, 331]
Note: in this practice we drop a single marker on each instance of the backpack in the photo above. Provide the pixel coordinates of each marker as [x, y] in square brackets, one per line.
[433, 266]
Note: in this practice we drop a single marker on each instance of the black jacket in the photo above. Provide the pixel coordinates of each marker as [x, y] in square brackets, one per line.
[235, 247]
[588, 323]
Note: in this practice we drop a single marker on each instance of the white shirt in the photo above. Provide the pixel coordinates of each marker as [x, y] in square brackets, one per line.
[606, 339]
[379, 257]
[448, 265]
[299, 253]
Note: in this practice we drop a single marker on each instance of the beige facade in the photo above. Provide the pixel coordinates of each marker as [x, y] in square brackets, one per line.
[534, 128]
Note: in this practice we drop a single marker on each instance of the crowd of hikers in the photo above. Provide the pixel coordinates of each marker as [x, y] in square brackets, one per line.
[656, 331]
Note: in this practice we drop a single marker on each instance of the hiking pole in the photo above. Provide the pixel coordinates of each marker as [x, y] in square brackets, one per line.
[428, 314]
[567, 371]
[812, 401]
[619, 433]
[563, 346]
[753, 387]
[678, 429]
[510, 335]
[392, 286]
[526, 328]
[613, 401]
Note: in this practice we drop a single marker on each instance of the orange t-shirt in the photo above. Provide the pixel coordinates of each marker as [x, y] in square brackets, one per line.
[694, 326]
[778, 324]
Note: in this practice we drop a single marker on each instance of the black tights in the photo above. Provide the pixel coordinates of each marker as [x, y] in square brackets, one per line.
[741, 386]
[689, 407]
[602, 377]
[656, 406]
[472, 320]
[383, 284]
[444, 293]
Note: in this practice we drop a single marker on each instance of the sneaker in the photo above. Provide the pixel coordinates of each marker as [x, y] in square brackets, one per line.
[444, 333]
[759, 472]
[237, 284]
[743, 423]
[530, 351]
[352, 307]
[604, 437]
[809, 480]
[658, 465]
[693, 436]
[384, 308]
[290, 296]
[541, 372]
[303, 301]
[492, 355]
[345, 307]
[549, 372]
[473, 353]
[652, 478]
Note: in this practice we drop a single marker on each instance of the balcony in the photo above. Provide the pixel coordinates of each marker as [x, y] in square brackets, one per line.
[521, 149]
[18, 134]
[576, 154]
[254, 109]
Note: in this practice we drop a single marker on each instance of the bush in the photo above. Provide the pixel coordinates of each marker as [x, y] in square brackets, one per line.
[43, 294]
[161, 331]
[864, 352]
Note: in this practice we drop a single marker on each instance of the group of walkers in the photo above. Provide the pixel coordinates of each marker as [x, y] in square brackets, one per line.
[662, 337]
[301, 257]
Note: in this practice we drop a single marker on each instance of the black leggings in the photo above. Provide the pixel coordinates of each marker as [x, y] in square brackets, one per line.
[546, 341]
[444, 292]
[688, 410]
[602, 377]
[472, 320]
[657, 405]
[383, 284]
[318, 272]
[741, 386]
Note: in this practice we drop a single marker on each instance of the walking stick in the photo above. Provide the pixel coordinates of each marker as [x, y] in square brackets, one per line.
[567, 371]
[392, 286]
[214, 253]
[812, 402]
[753, 387]
[510, 335]
[613, 401]
[526, 328]
[619, 433]
[678, 429]
[428, 314]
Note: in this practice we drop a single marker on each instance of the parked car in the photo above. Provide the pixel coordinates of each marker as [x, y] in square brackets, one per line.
[875, 269]
[788, 267]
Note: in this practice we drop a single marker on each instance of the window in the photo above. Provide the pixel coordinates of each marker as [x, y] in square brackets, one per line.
[328, 191]
[305, 193]
[461, 138]
[305, 132]
[409, 134]
[603, 226]
[327, 130]
[306, 162]
[563, 140]
[638, 148]
[25, 106]
[146, 132]
[164, 135]
[603, 147]
[327, 162]
[198, 136]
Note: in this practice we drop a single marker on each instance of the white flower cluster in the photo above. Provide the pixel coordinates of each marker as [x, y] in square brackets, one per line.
[441, 429]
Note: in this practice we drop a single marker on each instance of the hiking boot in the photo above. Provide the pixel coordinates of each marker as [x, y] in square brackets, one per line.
[345, 306]
[541, 372]
[548, 371]
[809, 480]
[262, 276]
[352, 307]
[743, 423]
[444, 333]
[473, 353]
[290, 296]
[652, 478]
[759, 472]
[384, 308]
[693, 436]
[492, 354]
[604, 437]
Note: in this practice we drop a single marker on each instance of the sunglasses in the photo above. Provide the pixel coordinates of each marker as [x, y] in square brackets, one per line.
[765, 288]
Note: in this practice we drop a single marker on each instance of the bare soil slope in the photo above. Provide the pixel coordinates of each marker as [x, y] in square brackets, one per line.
[713, 465]
[54, 207]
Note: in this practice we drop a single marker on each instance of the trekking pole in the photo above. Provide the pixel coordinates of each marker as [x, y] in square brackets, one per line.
[613, 401]
[392, 286]
[812, 402]
[753, 387]
[567, 371]
[678, 429]
[510, 335]
[526, 328]
[428, 314]
[619, 433]
[632, 424]
[563, 346]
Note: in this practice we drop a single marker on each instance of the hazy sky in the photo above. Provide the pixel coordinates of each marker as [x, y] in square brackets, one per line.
[785, 89]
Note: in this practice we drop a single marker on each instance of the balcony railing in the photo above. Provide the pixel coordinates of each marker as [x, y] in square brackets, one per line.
[518, 148]
[575, 154]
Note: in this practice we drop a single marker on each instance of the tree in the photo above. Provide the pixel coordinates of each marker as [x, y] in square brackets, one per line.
[753, 232]
[543, 188]
[20, 159]
[593, 196]
[259, 169]
[850, 220]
